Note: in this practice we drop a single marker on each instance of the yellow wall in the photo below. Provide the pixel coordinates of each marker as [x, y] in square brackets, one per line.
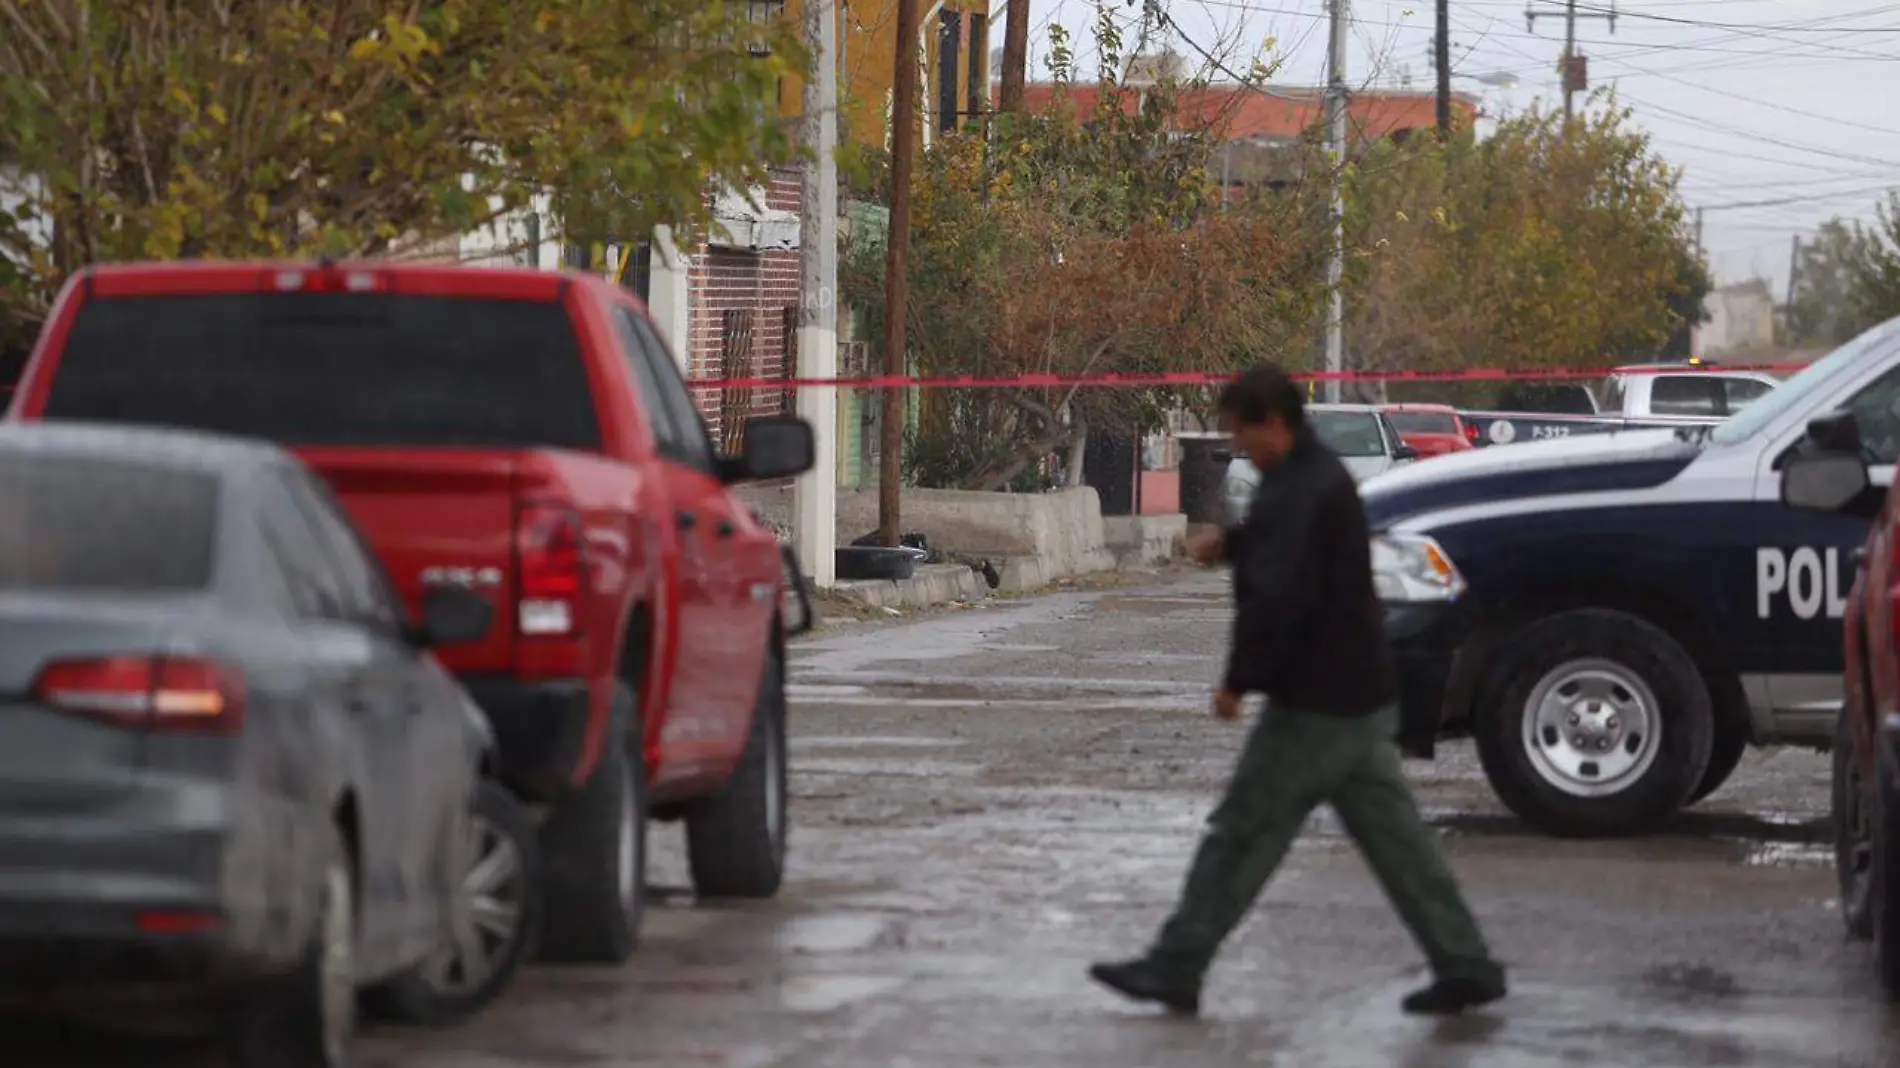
[867, 39]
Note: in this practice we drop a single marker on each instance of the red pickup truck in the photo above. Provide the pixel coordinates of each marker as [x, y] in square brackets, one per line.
[527, 435]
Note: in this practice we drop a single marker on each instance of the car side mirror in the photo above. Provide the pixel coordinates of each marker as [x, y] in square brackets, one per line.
[1823, 481]
[451, 615]
[778, 446]
[1406, 452]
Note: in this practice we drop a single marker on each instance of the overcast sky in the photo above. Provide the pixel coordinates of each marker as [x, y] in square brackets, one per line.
[1791, 101]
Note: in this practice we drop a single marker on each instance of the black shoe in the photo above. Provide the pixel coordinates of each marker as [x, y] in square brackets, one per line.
[1140, 980]
[1451, 996]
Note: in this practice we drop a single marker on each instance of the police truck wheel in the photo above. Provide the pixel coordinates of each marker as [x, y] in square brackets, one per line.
[1885, 879]
[1599, 724]
[593, 851]
[1854, 804]
[1731, 744]
[735, 840]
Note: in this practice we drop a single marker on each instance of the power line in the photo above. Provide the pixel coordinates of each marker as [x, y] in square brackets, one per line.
[1706, 24]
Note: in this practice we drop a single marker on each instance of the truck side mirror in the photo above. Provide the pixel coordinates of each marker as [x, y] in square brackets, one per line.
[779, 446]
[1406, 452]
[1823, 481]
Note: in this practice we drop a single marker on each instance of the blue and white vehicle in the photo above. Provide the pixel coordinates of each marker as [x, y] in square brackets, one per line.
[1614, 618]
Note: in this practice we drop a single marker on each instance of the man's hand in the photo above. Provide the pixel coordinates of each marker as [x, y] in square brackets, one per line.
[1205, 547]
[1226, 705]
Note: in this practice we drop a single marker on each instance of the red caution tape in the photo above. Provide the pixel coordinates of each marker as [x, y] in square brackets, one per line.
[1206, 378]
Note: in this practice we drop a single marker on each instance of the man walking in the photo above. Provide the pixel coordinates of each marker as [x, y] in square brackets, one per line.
[1309, 635]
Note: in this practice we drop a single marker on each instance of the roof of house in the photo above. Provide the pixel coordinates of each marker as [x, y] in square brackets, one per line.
[1274, 112]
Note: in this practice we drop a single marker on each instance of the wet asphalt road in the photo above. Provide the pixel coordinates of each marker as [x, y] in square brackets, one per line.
[987, 800]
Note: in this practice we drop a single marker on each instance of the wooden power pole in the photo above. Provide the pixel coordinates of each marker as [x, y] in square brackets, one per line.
[1441, 59]
[896, 273]
[1015, 55]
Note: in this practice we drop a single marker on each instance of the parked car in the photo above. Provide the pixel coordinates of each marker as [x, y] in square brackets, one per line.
[1633, 397]
[1828, 473]
[524, 435]
[1361, 434]
[1432, 429]
[232, 776]
[1640, 391]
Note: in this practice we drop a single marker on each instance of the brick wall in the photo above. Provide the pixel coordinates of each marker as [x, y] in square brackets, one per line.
[763, 285]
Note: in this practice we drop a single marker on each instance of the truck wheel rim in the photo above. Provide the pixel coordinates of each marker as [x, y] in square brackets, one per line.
[485, 919]
[627, 871]
[1592, 728]
[336, 966]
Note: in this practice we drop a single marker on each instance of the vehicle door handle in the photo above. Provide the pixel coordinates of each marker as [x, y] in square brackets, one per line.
[688, 520]
[726, 529]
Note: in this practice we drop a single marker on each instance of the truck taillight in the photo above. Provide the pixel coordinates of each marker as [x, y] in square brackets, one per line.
[1471, 432]
[162, 693]
[548, 566]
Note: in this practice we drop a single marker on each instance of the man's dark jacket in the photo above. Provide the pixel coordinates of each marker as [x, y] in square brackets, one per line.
[1308, 632]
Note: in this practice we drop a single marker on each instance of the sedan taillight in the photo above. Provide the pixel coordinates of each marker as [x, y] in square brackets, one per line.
[162, 693]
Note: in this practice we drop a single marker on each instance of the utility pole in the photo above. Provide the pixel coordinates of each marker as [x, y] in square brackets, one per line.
[896, 272]
[1441, 58]
[1695, 328]
[815, 494]
[1574, 67]
[1336, 159]
[1794, 270]
[1015, 54]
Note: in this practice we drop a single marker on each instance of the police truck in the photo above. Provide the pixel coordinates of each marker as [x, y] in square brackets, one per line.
[1615, 618]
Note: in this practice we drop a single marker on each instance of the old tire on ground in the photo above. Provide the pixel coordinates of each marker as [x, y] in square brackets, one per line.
[1853, 813]
[1885, 879]
[856, 562]
[1731, 744]
[495, 923]
[306, 1019]
[594, 854]
[735, 839]
[1598, 723]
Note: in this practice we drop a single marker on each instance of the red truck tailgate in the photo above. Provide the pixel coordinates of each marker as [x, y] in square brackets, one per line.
[437, 515]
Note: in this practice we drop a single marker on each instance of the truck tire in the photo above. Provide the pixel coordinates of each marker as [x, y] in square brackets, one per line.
[497, 920]
[858, 562]
[1853, 812]
[594, 854]
[1598, 724]
[735, 839]
[306, 1019]
[1731, 744]
[1885, 878]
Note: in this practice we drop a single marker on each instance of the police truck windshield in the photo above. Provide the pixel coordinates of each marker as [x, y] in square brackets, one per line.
[1794, 394]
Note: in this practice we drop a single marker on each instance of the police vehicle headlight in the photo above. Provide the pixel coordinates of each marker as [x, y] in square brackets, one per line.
[1411, 568]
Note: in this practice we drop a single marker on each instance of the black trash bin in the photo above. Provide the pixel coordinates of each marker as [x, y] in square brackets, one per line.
[1203, 472]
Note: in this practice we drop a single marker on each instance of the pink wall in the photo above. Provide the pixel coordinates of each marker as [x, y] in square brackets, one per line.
[1160, 492]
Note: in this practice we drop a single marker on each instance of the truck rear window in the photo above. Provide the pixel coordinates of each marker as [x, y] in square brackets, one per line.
[83, 524]
[363, 369]
[1424, 422]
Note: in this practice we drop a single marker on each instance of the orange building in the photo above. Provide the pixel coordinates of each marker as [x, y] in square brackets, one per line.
[953, 57]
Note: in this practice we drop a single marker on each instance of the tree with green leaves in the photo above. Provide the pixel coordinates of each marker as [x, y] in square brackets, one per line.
[1826, 309]
[153, 129]
[1875, 270]
[1547, 244]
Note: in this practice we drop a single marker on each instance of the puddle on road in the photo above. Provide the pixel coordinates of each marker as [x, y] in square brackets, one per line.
[817, 994]
[875, 742]
[832, 934]
[1787, 855]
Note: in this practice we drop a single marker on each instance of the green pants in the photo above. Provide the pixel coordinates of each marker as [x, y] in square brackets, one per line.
[1293, 762]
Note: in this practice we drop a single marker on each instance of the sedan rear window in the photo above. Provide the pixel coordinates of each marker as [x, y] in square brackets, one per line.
[85, 524]
[360, 369]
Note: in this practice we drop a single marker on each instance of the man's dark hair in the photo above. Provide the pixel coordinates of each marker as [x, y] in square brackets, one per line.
[1261, 393]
